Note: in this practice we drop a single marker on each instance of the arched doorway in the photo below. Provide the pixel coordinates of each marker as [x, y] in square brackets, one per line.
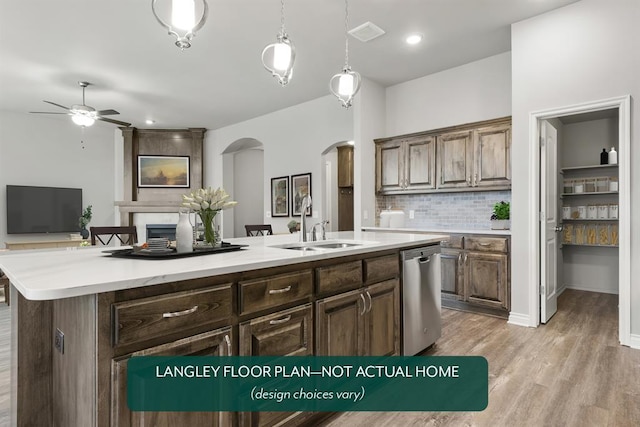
[243, 176]
[338, 193]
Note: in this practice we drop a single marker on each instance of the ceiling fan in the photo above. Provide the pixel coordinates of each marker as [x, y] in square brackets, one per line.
[84, 115]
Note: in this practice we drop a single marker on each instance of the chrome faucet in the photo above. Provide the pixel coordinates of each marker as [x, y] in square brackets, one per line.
[306, 202]
[324, 231]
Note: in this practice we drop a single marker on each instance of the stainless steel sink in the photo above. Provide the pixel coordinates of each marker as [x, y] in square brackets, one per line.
[317, 246]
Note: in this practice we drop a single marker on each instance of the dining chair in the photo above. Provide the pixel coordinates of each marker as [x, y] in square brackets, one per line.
[126, 235]
[258, 230]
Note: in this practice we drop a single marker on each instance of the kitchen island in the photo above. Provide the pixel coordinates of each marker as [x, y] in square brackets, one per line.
[262, 300]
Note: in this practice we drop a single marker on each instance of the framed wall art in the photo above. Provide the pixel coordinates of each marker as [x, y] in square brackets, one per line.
[300, 187]
[163, 171]
[280, 196]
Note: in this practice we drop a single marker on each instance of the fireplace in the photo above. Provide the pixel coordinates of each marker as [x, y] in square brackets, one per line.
[161, 230]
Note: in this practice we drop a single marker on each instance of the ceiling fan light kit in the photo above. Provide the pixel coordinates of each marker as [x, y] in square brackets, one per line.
[278, 58]
[346, 83]
[183, 20]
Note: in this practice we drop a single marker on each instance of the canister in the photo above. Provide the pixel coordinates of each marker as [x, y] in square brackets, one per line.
[592, 212]
[578, 185]
[603, 211]
[582, 212]
[613, 183]
[589, 185]
[613, 211]
[568, 186]
[602, 184]
[566, 212]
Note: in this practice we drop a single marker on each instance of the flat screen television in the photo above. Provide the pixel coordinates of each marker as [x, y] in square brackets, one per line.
[43, 209]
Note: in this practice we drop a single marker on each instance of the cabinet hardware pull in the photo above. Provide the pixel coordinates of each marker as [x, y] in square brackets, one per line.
[475, 181]
[279, 291]
[181, 313]
[364, 305]
[370, 302]
[228, 341]
[424, 260]
[460, 258]
[484, 244]
[465, 258]
[285, 319]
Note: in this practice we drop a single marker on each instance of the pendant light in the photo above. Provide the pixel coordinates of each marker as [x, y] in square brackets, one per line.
[183, 19]
[278, 58]
[346, 83]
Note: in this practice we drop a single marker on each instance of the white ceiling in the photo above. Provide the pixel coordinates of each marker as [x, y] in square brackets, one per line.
[47, 46]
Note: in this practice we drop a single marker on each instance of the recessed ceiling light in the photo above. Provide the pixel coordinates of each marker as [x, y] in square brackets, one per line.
[414, 38]
[149, 121]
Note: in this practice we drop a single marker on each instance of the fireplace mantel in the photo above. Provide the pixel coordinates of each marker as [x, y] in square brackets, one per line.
[130, 207]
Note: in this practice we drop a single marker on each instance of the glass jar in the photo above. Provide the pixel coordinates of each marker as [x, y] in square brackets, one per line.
[578, 185]
[603, 211]
[613, 183]
[592, 212]
[589, 185]
[568, 186]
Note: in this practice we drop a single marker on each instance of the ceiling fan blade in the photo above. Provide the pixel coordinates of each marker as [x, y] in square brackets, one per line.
[106, 112]
[115, 122]
[57, 105]
[47, 112]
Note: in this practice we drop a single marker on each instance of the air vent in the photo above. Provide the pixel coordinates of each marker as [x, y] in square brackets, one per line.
[366, 32]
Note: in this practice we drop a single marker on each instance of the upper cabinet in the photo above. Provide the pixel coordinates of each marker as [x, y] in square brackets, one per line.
[471, 157]
[405, 164]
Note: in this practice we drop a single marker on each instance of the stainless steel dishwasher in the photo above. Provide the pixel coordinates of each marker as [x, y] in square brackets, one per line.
[421, 316]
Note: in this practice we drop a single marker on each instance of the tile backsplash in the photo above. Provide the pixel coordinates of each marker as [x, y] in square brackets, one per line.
[470, 210]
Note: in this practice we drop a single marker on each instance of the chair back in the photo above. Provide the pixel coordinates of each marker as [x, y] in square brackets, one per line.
[258, 230]
[126, 235]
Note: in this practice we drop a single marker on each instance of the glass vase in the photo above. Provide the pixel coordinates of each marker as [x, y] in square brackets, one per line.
[211, 227]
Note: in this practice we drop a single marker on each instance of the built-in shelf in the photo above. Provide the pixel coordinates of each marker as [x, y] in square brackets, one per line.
[590, 219]
[580, 168]
[590, 246]
[591, 193]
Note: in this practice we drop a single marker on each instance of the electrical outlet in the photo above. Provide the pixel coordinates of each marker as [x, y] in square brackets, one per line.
[58, 341]
[412, 214]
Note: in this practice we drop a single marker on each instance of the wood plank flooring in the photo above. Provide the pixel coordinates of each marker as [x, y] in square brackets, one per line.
[570, 372]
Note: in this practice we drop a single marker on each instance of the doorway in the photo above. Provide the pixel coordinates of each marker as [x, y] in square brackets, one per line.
[577, 247]
[338, 186]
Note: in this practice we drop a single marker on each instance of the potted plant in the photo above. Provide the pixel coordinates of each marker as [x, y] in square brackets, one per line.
[84, 220]
[293, 226]
[500, 220]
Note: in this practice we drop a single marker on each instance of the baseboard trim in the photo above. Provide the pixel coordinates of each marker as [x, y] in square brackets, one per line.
[634, 341]
[582, 288]
[519, 319]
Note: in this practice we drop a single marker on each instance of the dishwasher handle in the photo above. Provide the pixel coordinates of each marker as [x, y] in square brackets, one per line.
[424, 259]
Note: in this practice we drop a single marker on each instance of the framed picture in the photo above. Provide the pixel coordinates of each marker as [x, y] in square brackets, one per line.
[300, 187]
[163, 171]
[280, 196]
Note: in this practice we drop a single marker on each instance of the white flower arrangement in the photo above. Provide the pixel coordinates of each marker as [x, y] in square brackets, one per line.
[207, 199]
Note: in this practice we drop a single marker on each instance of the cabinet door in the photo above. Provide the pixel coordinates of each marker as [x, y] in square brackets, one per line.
[382, 334]
[340, 325]
[455, 160]
[452, 273]
[420, 164]
[389, 166]
[215, 343]
[286, 333]
[486, 279]
[345, 166]
[492, 156]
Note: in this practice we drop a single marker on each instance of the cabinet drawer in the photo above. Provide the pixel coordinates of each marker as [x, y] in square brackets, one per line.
[339, 278]
[455, 242]
[147, 318]
[381, 268]
[486, 244]
[260, 294]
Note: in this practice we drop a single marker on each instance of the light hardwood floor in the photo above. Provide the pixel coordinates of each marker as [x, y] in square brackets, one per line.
[571, 372]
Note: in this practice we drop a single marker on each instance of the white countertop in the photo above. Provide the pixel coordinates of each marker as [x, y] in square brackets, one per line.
[439, 231]
[63, 273]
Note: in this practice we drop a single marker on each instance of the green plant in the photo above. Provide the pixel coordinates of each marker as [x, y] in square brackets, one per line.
[501, 210]
[85, 218]
[292, 224]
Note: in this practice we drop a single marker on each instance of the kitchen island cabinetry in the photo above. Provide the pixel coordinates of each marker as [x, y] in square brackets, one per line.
[263, 301]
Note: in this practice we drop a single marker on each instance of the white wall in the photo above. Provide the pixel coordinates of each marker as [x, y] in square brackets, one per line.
[480, 90]
[583, 52]
[41, 151]
[248, 172]
[294, 139]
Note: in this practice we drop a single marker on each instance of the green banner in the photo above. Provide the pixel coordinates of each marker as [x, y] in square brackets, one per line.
[310, 383]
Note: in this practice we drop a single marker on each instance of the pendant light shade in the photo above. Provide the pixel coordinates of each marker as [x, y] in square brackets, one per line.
[346, 83]
[183, 24]
[278, 58]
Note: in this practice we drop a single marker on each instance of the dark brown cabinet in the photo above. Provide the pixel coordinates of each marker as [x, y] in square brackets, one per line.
[345, 166]
[405, 164]
[475, 274]
[214, 343]
[455, 160]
